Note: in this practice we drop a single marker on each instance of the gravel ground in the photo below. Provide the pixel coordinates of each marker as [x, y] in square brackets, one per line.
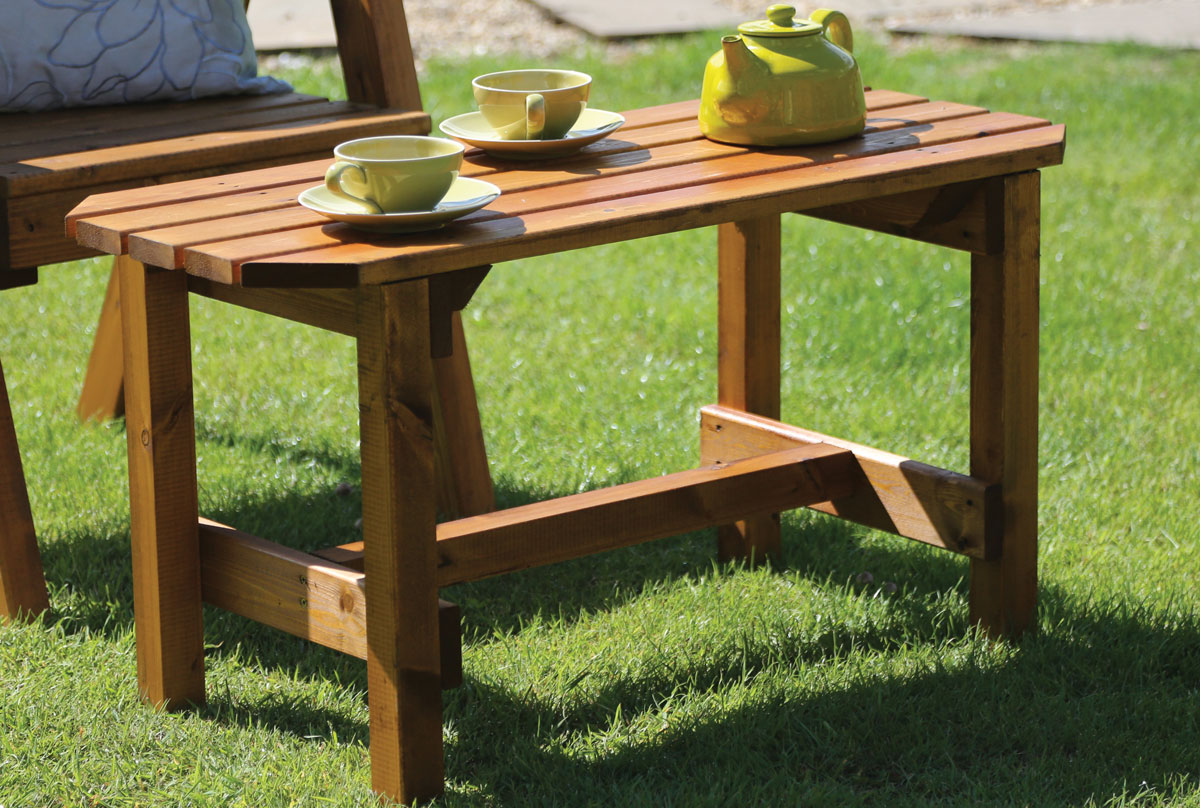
[520, 26]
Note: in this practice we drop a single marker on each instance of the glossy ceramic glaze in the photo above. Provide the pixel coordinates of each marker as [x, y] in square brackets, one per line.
[532, 104]
[466, 195]
[395, 173]
[473, 129]
[782, 81]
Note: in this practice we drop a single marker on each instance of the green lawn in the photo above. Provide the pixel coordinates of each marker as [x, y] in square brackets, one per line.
[651, 676]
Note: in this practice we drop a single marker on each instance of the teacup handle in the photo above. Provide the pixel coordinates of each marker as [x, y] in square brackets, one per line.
[535, 116]
[333, 184]
[837, 28]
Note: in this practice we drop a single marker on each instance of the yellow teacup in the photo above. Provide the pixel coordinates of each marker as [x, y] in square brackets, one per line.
[395, 173]
[532, 104]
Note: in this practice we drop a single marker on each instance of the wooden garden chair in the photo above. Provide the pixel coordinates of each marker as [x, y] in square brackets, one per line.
[51, 161]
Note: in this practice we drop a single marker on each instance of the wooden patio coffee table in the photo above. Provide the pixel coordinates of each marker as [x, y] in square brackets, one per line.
[940, 172]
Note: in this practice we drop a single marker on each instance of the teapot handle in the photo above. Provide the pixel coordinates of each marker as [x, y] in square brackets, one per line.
[837, 28]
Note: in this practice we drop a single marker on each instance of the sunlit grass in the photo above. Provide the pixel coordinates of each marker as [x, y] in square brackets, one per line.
[650, 676]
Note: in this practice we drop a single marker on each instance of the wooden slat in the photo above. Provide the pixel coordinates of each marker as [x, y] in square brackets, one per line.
[38, 240]
[58, 131]
[596, 521]
[1004, 402]
[586, 225]
[899, 495]
[214, 149]
[165, 248]
[110, 232]
[218, 260]
[102, 146]
[302, 594]
[748, 335]
[663, 129]
[160, 432]
[22, 586]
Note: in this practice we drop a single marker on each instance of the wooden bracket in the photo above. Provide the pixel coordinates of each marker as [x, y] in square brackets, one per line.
[12, 278]
[448, 293]
[915, 500]
[950, 216]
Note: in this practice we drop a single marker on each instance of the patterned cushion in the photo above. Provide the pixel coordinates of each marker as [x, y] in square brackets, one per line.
[67, 53]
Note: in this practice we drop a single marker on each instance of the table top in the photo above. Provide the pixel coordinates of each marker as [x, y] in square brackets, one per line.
[655, 175]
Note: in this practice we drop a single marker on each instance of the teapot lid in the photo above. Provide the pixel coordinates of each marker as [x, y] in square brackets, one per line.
[780, 22]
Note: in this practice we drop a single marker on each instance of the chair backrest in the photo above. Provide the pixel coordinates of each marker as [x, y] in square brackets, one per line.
[376, 53]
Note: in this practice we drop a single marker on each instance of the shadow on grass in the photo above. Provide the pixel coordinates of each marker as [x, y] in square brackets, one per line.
[1098, 703]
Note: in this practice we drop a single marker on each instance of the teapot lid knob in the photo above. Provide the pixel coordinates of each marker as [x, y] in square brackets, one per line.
[781, 14]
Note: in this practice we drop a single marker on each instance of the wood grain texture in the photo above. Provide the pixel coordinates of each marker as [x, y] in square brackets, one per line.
[748, 360]
[606, 519]
[103, 395]
[22, 585]
[461, 463]
[395, 381]
[302, 594]
[896, 494]
[646, 214]
[949, 216]
[160, 432]
[1004, 401]
[132, 159]
[659, 146]
[376, 54]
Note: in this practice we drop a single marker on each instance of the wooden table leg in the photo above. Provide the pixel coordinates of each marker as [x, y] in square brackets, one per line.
[748, 331]
[395, 381]
[103, 383]
[22, 585]
[1004, 401]
[160, 431]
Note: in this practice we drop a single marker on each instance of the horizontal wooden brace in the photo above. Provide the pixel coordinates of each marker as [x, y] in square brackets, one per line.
[623, 515]
[302, 594]
[902, 496]
[949, 216]
[330, 309]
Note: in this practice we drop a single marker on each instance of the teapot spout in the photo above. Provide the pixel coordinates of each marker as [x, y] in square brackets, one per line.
[738, 58]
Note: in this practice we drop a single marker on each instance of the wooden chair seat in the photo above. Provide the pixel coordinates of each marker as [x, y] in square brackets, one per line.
[51, 161]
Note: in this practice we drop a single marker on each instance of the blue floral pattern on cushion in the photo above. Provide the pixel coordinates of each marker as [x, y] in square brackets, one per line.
[66, 53]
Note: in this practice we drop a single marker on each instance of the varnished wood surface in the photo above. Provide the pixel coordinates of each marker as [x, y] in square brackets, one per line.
[655, 175]
[22, 585]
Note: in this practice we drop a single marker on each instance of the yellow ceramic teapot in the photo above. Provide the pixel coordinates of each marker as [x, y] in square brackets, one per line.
[784, 81]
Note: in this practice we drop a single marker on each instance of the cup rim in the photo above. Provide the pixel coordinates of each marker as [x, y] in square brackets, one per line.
[583, 80]
[455, 148]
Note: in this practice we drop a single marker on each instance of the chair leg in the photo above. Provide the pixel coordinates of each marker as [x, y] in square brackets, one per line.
[464, 483]
[102, 396]
[22, 585]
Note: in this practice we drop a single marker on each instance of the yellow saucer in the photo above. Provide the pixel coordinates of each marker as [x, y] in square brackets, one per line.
[472, 129]
[465, 196]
